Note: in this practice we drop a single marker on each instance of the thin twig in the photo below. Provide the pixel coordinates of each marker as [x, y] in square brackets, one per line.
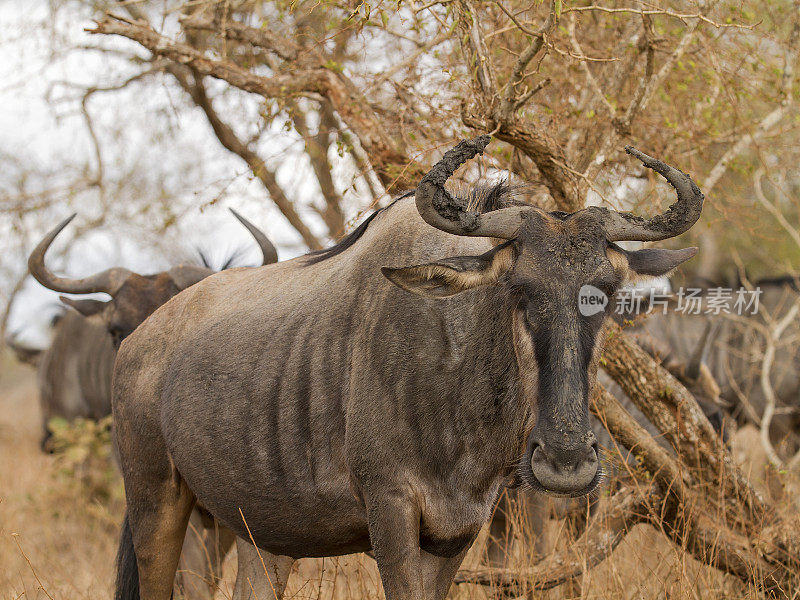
[528, 95]
[508, 100]
[766, 385]
[772, 118]
[587, 72]
[419, 9]
[258, 551]
[411, 60]
[772, 209]
[28, 560]
[667, 13]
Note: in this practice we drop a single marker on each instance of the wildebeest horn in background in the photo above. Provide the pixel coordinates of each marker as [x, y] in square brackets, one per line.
[443, 211]
[108, 281]
[268, 251]
[185, 276]
[700, 353]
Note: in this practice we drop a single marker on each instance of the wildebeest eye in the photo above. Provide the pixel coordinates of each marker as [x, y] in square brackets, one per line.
[117, 334]
[605, 286]
[607, 283]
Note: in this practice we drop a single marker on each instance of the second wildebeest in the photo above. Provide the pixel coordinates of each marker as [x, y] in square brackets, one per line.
[74, 373]
[133, 296]
[83, 354]
[735, 355]
[337, 413]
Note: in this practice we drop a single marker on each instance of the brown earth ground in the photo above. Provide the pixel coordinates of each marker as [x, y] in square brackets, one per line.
[58, 540]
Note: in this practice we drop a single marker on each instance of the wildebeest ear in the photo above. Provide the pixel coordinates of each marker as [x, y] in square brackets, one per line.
[185, 276]
[653, 262]
[450, 276]
[86, 306]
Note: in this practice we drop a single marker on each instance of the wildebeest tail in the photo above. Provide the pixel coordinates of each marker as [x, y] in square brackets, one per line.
[127, 569]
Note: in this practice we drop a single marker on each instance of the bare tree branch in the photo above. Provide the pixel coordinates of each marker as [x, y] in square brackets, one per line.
[227, 137]
[480, 64]
[316, 148]
[700, 16]
[509, 99]
[623, 510]
[774, 334]
[393, 167]
[772, 118]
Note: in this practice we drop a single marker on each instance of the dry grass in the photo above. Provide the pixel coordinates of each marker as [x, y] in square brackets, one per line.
[69, 540]
[57, 542]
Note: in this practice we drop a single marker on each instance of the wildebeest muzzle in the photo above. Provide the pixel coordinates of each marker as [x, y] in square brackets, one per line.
[562, 467]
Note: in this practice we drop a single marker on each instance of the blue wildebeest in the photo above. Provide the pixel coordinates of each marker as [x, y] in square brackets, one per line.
[522, 513]
[327, 411]
[75, 374]
[735, 354]
[133, 297]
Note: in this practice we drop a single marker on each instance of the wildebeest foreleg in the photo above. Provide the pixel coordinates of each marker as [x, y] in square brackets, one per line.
[393, 522]
[260, 574]
[407, 572]
[204, 548]
[438, 573]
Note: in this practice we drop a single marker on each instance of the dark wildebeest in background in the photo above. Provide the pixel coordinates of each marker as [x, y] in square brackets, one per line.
[332, 412]
[86, 352]
[735, 356]
[133, 296]
[73, 374]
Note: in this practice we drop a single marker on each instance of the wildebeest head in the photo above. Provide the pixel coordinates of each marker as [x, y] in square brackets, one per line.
[134, 297]
[547, 261]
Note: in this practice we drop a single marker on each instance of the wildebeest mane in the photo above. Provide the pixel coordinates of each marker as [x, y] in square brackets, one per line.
[480, 198]
[233, 259]
[351, 238]
[483, 198]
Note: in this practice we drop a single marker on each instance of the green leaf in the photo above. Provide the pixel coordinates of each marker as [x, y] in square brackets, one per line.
[332, 65]
[57, 424]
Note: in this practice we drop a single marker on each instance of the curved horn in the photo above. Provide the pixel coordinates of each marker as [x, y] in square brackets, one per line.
[268, 251]
[679, 217]
[441, 210]
[108, 281]
[700, 353]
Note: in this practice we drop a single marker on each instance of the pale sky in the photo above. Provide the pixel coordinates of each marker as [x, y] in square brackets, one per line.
[50, 138]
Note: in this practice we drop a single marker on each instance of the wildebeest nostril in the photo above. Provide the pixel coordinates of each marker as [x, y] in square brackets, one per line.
[565, 470]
